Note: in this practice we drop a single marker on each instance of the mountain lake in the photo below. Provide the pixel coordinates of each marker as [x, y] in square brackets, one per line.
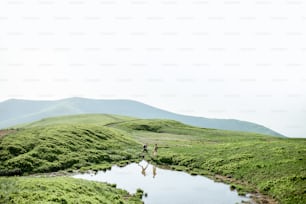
[164, 186]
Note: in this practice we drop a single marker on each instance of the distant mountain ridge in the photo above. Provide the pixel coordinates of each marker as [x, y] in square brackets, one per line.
[17, 111]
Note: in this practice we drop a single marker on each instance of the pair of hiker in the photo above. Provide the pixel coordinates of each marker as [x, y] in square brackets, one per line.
[145, 149]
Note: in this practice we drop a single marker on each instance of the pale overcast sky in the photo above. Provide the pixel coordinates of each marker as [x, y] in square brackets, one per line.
[220, 59]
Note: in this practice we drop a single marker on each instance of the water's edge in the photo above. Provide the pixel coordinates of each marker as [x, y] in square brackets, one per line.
[165, 185]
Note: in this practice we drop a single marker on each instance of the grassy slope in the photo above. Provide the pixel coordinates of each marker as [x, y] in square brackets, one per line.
[252, 162]
[97, 119]
[275, 166]
[26, 190]
[64, 143]
[59, 147]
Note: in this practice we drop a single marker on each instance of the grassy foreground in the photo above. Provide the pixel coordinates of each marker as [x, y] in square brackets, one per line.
[27, 190]
[249, 162]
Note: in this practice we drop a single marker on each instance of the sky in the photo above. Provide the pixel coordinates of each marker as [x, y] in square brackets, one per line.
[218, 59]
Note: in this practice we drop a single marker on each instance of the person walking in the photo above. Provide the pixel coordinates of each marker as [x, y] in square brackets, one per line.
[145, 148]
[155, 150]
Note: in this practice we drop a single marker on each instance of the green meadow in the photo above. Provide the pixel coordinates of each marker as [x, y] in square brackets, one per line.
[270, 166]
[31, 190]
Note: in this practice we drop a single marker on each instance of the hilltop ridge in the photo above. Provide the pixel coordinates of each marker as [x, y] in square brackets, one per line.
[17, 111]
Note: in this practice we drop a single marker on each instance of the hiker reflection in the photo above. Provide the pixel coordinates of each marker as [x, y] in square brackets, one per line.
[154, 171]
[143, 169]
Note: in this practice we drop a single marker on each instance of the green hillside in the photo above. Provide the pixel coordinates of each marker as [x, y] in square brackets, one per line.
[250, 162]
[96, 119]
[66, 146]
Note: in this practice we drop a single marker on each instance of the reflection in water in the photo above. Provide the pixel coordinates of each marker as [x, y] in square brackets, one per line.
[154, 171]
[166, 187]
[143, 169]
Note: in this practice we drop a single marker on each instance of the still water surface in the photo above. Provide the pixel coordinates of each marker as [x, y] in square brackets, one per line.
[166, 186]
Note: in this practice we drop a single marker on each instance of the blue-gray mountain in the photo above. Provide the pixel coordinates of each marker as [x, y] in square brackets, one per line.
[15, 111]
